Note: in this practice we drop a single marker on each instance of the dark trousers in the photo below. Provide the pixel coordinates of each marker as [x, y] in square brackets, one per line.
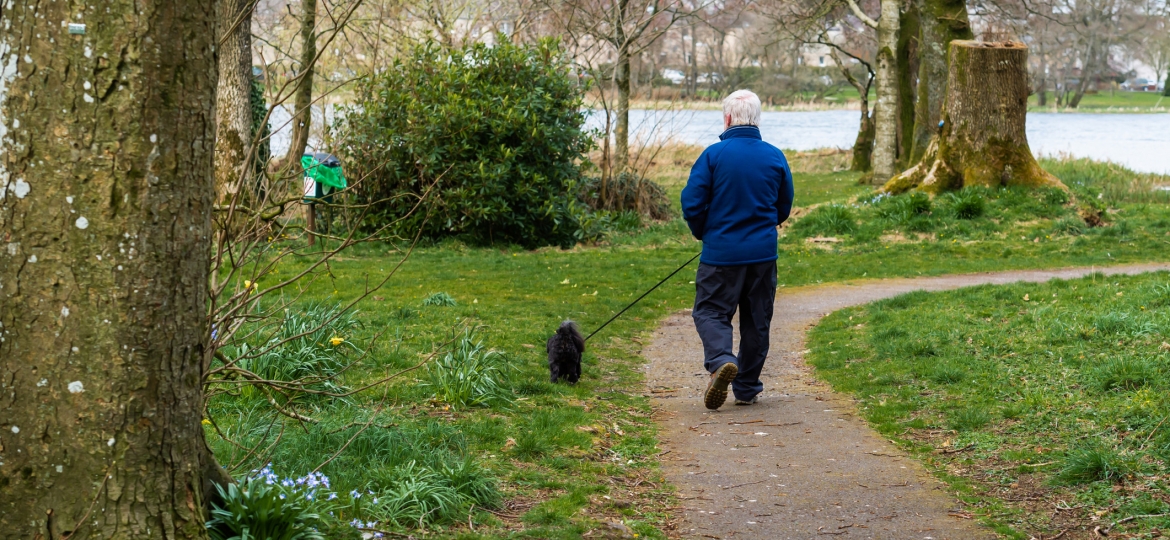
[719, 291]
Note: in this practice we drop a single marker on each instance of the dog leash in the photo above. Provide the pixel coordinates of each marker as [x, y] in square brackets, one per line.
[619, 314]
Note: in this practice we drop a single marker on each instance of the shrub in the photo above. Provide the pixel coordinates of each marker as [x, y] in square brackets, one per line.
[496, 131]
[469, 375]
[254, 509]
[626, 192]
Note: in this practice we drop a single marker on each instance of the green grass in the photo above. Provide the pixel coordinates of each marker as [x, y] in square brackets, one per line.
[529, 459]
[1058, 387]
[1107, 101]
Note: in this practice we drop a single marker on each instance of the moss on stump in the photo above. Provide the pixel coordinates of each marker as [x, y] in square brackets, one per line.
[982, 141]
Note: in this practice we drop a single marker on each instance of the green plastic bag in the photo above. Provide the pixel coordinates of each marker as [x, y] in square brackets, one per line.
[330, 176]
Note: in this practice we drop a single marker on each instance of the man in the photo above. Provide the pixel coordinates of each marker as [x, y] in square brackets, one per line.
[739, 192]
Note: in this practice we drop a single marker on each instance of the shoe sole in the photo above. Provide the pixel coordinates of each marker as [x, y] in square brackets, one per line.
[716, 393]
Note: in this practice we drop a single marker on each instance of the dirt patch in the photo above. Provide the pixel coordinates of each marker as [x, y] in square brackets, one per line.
[801, 463]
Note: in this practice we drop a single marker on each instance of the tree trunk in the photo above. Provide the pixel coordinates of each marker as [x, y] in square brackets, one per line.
[621, 154]
[1088, 72]
[1166, 85]
[863, 144]
[1041, 88]
[233, 104]
[621, 79]
[982, 141]
[106, 192]
[942, 21]
[885, 150]
[290, 165]
[909, 48]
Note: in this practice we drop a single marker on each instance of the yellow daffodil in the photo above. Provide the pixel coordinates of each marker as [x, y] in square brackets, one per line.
[336, 341]
[206, 422]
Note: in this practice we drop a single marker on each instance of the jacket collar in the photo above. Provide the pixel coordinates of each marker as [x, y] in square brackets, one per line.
[741, 132]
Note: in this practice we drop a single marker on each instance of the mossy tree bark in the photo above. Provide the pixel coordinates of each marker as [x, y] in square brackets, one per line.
[885, 148]
[982, 141]
[941, 22]
[233, 104]
[909, 45]
[106, 192]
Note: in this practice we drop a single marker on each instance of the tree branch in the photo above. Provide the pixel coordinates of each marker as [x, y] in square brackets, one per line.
[856, 9]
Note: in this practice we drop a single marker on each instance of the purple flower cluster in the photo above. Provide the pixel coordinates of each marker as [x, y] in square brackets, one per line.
[313, 486]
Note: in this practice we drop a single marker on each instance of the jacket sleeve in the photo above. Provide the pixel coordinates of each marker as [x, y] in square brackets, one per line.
[785, 194]
[696, 196]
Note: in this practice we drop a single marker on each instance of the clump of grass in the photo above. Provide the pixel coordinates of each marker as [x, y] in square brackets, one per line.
[439, 299]
[1124, 374]
[903, 209]
[827, 220]
[1095, 463]
[947, 374]
[968, 419]
[405, 313]
[254, 509]
[470, 375]
[310, 346]
[968, 203]
[1070, 225]
[1114, 182]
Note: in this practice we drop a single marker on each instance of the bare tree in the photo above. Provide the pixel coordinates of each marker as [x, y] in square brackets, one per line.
[615, 30]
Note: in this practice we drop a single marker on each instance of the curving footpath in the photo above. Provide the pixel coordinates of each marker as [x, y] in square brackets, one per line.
[801, 463]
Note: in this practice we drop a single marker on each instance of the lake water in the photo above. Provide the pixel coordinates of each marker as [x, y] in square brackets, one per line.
[1138, 141]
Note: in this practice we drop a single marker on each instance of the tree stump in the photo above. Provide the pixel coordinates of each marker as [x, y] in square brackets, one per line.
[982, 141]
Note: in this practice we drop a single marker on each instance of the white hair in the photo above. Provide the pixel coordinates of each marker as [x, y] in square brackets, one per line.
[743, 106]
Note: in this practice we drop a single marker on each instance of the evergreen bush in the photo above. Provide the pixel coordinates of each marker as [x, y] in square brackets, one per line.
[497, 131]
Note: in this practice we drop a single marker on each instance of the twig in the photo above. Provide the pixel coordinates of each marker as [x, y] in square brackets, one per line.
[1131, 518]
[744, 422]
[746, 484]
[957, 450]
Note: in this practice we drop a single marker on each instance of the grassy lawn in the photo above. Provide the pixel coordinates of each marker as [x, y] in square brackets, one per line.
[1044, 405]
[500, 452]
[1116, 101]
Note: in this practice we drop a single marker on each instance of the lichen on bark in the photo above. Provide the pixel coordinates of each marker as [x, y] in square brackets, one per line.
[102, 319]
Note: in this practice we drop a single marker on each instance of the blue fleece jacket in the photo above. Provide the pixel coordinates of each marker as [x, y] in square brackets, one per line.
[739, 191]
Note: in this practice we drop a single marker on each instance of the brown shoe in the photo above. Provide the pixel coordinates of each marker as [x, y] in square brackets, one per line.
[716, 392]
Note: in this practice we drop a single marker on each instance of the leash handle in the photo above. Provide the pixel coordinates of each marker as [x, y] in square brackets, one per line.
[664, 280]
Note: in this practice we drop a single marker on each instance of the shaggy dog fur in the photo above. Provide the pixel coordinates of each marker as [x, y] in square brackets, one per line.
[564, 353]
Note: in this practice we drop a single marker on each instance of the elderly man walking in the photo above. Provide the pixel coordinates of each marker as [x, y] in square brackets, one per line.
[739, 192]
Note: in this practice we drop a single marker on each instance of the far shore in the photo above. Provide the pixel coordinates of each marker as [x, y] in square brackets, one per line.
[853, 105]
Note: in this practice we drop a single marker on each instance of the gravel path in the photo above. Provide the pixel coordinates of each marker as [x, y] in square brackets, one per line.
[801, 463]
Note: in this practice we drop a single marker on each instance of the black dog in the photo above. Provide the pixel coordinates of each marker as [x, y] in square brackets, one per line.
[564, 353]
